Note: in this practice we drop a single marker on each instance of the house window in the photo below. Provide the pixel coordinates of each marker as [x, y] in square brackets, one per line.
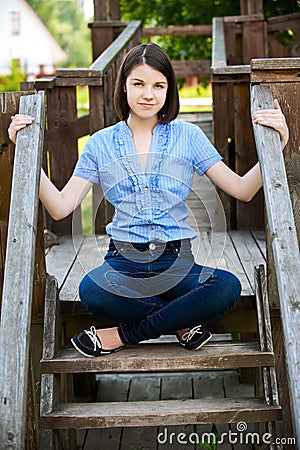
[15, 23]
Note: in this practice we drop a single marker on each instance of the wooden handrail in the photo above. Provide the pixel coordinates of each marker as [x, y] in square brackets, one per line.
[18, 275]
[104, 61]
[284, 241]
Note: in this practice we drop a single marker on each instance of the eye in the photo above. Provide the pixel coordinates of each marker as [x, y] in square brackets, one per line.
[137, 83]
[160, 86]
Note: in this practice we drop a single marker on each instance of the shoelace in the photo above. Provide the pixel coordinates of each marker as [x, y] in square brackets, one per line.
[189, 334]
[92, 334]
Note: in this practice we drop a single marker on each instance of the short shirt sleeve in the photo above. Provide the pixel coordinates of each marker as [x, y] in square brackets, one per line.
[87, 166]
[204, 153]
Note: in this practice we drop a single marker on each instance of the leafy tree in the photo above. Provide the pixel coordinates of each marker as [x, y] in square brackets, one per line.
[66, 23]
[182, 12]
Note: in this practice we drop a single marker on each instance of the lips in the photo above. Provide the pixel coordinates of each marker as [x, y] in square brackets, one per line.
[146, 105]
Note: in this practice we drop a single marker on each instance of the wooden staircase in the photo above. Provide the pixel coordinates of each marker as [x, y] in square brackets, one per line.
[59, 363]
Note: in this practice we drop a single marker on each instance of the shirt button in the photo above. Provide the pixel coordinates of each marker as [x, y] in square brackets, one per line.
[152, 246]
[146, 188]
[149, 221]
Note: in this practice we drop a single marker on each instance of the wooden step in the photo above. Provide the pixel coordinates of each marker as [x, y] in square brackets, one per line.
[160, 413]
[162, 357]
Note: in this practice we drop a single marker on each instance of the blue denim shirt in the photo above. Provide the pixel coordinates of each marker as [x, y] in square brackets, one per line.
[149, 205]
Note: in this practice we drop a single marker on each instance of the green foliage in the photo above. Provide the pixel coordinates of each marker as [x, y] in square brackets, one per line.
[274, 8]
[11, 82]
[215, 444]
[180, 12]
[66, 23]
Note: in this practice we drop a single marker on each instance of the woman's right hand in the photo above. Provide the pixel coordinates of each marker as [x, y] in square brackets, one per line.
[18, 122]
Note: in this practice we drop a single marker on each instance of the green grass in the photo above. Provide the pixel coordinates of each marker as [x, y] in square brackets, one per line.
[200, 91]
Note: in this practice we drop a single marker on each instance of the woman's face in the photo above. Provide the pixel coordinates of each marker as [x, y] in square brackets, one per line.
[146, 90]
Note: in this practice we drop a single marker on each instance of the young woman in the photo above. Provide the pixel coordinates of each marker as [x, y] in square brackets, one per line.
[149, 283]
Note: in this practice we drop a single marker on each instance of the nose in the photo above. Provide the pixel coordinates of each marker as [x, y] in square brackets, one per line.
[147, 92]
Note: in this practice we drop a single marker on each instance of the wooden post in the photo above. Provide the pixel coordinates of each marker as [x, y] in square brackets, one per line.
[283, 233]
[251, 7]
[106, 25]
[62, 146]
[18, 276]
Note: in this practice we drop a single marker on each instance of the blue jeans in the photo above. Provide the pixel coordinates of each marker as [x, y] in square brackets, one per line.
[158, 290]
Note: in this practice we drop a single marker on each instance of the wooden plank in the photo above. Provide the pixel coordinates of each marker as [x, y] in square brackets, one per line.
[177, 30]
[170, 391]
[9, 105]
[254, 40]
[76, 73]
[51, 344]
[61, 112]
[167, 412]
[260, 239]
[285, 245]
[233, 388]
[18, 276]
[251, 7]
[141, 389]
[162, 357]
[249, 215]
[193, 68]
[226, 258]
[110, 389]
[248, 253]
[210, 385]
[233, 71]
[275, 76]
[283, 23]
[89, 255]
[275, 64]
[219, 58]
[223, 133]
[66, 253]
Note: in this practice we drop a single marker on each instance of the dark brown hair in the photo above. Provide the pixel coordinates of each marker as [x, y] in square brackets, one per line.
[157, 58]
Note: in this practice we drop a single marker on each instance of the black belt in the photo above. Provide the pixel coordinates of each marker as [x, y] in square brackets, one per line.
[143, 247]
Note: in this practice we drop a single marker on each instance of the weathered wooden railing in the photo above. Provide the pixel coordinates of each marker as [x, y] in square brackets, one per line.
[279, 78]
[284, 242]
[16, 311]
[64, 128]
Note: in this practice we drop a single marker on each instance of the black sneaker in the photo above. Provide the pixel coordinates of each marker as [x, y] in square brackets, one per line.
[195, 338]
[88, 344]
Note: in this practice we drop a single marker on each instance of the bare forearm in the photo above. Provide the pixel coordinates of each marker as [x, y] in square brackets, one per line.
[250, 184]
[58, 203]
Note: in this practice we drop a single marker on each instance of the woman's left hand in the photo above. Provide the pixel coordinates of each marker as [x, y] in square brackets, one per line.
[273, 118]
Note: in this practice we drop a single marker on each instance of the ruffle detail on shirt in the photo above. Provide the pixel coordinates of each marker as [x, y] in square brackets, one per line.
[122, 140]
[159, 155]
